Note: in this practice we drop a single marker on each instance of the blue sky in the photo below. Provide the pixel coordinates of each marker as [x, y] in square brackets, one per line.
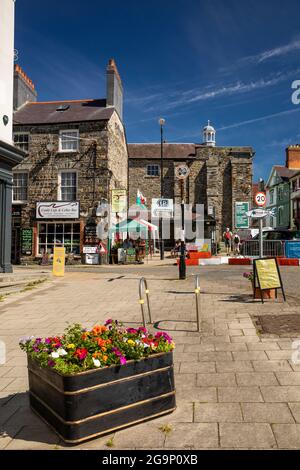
[230, 61]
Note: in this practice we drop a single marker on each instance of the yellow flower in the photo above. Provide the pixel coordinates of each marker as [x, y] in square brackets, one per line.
[131, 342]
[173, 345]
[71, 346]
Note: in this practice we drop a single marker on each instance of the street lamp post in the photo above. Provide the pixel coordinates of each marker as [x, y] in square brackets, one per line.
[161, 123]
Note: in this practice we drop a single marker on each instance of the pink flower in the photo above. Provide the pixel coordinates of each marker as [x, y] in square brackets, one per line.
[122, 360]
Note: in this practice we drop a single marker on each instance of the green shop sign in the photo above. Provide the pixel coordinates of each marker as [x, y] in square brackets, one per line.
[241, 218]
[26, 241]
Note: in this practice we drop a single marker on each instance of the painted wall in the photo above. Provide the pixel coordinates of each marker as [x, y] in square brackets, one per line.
[6, 67]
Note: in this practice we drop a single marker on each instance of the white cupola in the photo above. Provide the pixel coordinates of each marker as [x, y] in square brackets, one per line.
[209, 135]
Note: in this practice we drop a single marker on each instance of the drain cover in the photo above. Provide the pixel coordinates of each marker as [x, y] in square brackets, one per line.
[278, 324]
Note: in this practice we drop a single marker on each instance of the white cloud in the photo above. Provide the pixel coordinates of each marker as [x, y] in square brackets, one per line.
[275, 52]
[262, 118]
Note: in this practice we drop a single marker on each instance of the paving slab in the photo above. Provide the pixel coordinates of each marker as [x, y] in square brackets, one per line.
[247, 436]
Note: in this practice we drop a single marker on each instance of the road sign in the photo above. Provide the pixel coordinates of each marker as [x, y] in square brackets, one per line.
[241, 218]
[161, 206]
[182, 172]
[260, 199]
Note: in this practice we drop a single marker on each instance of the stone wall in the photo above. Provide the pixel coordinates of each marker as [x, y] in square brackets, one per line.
[219, 177]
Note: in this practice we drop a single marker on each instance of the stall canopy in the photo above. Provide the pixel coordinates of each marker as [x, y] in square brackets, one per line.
[133, 225]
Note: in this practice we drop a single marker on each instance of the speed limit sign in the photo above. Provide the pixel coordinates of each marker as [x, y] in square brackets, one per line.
[260, 199]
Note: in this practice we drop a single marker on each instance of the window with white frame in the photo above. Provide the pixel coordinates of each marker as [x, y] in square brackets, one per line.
[65, 234]
[67, 185]
[69, 141]
[152, 170]
[20, 187]
[21, 140]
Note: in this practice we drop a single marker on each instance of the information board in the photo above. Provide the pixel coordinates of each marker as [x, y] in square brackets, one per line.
[26, 241]
[241, 218]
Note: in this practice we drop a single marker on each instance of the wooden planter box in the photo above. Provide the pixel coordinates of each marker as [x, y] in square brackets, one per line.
[99, 401]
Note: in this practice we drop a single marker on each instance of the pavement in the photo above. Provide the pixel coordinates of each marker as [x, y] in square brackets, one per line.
[235, 388]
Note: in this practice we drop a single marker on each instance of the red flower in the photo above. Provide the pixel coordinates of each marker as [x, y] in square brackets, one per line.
[81, 353]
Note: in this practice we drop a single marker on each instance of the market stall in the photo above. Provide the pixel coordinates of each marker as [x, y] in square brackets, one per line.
[132, 240]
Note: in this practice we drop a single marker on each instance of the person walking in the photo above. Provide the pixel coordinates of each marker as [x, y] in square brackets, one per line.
[227, 236]
[236, 244]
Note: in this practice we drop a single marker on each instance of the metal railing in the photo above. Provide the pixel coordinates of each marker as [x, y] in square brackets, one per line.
[143, 289]
[271, 248]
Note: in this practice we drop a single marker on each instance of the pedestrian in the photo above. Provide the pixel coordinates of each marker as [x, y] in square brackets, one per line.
[227, 236]
[236, 243]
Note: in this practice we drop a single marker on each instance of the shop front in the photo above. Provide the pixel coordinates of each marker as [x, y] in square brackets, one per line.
[56, 224]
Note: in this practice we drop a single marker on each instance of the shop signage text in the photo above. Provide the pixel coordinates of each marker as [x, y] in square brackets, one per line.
[57, 210]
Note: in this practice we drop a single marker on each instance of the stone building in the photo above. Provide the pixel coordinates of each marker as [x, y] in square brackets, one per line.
[76, 153]
[219, 176]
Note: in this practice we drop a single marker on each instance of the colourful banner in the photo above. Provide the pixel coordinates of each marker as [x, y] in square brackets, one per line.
[59, 261]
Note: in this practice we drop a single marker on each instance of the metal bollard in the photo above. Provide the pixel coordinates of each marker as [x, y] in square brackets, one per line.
[143, 286]
[197, 294]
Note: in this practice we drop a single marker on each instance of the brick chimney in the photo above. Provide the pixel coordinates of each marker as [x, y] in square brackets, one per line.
[114, 88]
[293, 157]
[24, 89]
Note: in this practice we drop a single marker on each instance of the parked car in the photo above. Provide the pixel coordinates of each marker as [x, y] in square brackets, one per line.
[279, 234]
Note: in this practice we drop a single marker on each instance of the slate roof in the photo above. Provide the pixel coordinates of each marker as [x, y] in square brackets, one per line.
[152, 151]
[77, 111]
[284, 172]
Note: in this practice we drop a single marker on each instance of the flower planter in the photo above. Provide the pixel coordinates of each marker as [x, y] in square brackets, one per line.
[88, 404]
[266, 294]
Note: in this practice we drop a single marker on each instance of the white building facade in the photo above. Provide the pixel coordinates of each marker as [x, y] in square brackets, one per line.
[9, 155]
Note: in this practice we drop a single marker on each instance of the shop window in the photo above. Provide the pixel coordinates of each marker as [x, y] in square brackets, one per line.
[67, 184]
[21, 140]
[69, 141]
[152, 170]
[59, 234]
[20, 187]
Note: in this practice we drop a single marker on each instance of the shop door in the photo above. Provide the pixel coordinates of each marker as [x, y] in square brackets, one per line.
[15, 245]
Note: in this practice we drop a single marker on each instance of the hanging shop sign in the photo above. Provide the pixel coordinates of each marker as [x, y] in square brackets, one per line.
[118, 200]
[57, 210]
[267, 275]
[241, 217]
[161, 207]
[26, 241]
[59, 261]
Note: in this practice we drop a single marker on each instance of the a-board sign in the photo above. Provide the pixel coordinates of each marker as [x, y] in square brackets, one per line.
[26, 241]
[59, 257]
[267, 274]
[130, 255]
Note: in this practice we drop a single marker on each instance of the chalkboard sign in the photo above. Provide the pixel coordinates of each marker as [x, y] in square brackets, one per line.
[26, 241]
[267, 274]
[130, 255]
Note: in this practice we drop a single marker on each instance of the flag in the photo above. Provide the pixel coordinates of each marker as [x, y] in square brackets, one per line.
[140, 199]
